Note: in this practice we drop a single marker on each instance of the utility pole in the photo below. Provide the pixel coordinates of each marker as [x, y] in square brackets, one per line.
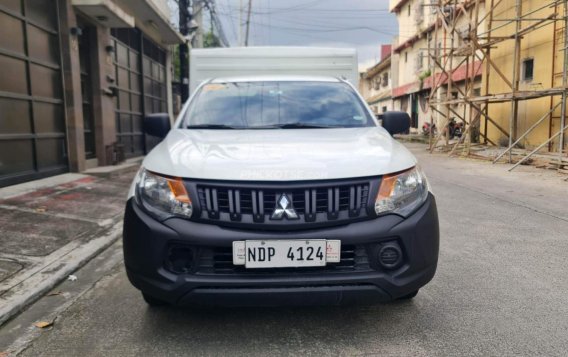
[211, 20]
[198, 17]
[248, 23]
[184, 19]
[513, 123]
[241, 23]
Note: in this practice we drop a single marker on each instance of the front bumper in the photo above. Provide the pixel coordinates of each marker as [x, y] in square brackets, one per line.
[146, 244]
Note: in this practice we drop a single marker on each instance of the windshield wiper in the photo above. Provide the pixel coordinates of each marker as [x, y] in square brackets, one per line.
[210, 126]
[276, 126]
[304, 126]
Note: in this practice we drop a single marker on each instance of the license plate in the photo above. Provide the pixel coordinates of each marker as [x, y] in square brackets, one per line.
[286, 253]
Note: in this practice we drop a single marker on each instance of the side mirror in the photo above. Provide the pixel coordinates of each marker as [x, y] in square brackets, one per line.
[396, 122]
[157, 125]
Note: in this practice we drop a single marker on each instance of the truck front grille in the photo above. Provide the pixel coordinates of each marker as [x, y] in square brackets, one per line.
[332, 202]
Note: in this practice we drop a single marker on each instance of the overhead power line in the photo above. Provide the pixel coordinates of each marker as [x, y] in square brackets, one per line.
[274, 11]
[232, 26]
[313, 24]
[211, 5]
[248, 23]
[324, 30]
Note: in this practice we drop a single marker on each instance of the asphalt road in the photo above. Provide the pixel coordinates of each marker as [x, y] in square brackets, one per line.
[501, 289]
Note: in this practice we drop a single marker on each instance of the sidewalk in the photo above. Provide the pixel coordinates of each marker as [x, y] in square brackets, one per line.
[49, 228]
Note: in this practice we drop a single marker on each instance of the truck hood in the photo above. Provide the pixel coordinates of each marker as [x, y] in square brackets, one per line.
[278, 154]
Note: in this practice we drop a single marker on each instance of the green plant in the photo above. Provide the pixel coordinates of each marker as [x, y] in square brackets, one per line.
[210, 40]
[422, 76]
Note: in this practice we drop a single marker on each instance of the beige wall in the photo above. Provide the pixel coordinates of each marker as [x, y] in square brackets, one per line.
[374, 85]
[415, 60]
[410, 67]
[413, 18]
[539, 46]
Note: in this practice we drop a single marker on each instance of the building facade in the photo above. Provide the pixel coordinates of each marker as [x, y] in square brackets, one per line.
[540, 67]
[421, 49]
[76, 79]
[412, 60]
[375, 84]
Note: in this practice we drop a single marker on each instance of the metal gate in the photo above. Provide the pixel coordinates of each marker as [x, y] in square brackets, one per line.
[141, 81]
[86, 94]
[32, 115]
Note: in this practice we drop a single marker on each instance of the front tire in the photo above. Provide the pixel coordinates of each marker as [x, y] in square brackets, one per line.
[152, 301]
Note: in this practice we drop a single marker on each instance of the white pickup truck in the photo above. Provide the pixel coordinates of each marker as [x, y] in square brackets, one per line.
[279, 188]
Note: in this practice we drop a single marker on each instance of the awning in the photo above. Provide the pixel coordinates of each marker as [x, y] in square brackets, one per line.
[144, 14]
[105, 12]
[152, 20]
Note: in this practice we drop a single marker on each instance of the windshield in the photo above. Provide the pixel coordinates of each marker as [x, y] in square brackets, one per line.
[250, 105]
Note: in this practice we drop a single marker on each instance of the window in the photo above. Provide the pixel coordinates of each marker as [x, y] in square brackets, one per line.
[454, 97]
[528, 69]
[377, 83]
[420, 61]
[250, 105]
[385, 80]
[405, 57]
[408, 10]
[384, 109]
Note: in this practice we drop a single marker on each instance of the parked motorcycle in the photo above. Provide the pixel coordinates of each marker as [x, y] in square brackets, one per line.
[456, 129]
[426, 129]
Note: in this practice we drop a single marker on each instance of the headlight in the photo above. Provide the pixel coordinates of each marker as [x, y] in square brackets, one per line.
[402, 193]
[163, 196]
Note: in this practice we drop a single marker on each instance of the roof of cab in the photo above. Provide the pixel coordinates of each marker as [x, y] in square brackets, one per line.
[275, 78]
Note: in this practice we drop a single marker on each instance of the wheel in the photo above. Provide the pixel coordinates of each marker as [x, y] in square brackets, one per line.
[152, 301]
[409, 296]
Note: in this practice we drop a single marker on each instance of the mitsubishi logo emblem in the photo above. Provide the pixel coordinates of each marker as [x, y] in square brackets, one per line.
[284, 208]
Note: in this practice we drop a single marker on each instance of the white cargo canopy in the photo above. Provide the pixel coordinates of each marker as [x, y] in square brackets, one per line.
[256, 61]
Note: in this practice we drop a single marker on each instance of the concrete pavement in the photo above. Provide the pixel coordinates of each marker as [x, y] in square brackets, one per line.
[52, 227]
[500, 289]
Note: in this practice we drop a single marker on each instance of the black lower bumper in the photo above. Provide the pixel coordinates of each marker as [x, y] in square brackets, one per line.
[146, 244]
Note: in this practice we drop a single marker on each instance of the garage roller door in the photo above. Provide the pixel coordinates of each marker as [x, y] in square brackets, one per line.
[32, 117]
[141, 81]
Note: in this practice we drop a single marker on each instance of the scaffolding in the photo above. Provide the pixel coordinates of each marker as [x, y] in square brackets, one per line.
[467, 28]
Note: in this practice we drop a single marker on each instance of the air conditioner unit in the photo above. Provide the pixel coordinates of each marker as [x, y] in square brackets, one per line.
[464, 33]
[418, 17]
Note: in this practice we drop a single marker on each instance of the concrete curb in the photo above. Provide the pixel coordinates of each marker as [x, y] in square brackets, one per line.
[107, 172]
[413, 138]
[28, 187]
[55, 272]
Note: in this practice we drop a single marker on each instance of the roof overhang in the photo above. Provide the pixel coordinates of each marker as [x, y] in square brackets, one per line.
[379, 67]
[379, 97]
[150, 19]
[398, 5]
[105, 12]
